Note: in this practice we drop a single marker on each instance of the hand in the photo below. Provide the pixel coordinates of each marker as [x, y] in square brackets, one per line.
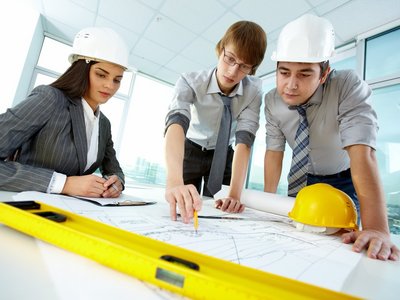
[113, 187]
[87, 185]
[229, 205]
[378, 244]
[186, 197]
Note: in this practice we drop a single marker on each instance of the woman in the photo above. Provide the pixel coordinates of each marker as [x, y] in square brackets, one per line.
[56, 138]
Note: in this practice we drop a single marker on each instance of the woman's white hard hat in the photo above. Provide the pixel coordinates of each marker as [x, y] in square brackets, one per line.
[308, 39]
[100, 44]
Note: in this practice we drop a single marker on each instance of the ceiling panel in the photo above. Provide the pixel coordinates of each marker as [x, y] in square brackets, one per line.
[139, 63]
[88, 4]
[68, 13]
[201, 51]
[131, 14]
[167, 37]
[327, 6]
[153, 52]
[216, 30]
[167, 75]
[169, 34]
[59, 30]
[183, 12]
[181, 64]
[154, 4]
[271, 14]
[359, 16]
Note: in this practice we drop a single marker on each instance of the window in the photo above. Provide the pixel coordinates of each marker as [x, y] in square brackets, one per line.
[141, 152]
[54, 56]
[382, 71]
[255, 179]
[344, 58]
[386, 104]
[382, 58]
[346, 64]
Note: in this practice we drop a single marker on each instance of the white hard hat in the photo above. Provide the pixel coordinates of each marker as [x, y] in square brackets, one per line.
[99, 43]
[308, 39]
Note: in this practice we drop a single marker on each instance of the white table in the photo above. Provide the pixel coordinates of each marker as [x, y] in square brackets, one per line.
[24, 274]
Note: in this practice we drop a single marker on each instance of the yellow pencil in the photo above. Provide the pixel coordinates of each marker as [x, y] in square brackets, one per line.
[195, 221]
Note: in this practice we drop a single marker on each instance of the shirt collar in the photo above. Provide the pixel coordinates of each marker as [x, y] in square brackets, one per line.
[88, 111]
[213, 87]
[315, 99]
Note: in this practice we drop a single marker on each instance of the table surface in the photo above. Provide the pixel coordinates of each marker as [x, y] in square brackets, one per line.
[25, 274]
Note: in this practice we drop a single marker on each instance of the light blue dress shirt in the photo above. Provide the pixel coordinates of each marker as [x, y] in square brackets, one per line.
[339, 115]
[197, 97]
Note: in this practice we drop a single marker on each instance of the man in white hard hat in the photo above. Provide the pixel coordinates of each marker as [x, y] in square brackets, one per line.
[335, 142]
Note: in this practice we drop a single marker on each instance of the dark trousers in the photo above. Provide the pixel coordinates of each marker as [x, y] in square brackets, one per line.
[197, 165]
[341, 181]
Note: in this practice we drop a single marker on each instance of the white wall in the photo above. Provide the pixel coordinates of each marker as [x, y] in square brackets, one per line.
[18, 22]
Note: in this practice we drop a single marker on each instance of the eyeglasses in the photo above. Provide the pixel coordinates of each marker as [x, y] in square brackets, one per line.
[246, 69]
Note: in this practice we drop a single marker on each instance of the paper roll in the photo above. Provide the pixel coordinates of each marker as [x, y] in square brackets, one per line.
[268, 202]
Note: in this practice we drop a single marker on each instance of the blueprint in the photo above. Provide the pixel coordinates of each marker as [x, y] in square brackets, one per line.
[264, 241]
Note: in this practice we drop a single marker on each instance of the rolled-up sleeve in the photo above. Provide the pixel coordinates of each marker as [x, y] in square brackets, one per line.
[249, 118]
[177, 118]
[274, 137]
[182, 99]
[245, 137]
[357, 119]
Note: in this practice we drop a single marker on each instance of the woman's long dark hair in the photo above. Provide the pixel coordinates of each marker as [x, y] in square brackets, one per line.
[75, 81]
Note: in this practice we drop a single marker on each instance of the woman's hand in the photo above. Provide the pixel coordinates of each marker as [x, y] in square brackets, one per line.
[87, 185]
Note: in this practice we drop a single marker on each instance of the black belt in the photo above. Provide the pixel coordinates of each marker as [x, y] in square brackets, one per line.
[343, 174]
[197, 146]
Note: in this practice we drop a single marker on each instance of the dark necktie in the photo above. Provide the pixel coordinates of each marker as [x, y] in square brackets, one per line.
[221, 149]
[297, 178]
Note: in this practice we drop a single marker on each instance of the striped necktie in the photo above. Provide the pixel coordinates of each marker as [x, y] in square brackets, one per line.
[297, 178]
[221, 149]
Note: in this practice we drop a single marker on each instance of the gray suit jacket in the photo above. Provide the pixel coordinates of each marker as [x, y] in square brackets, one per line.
[48, 131]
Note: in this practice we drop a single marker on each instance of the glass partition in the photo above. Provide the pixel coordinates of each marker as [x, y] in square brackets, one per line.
[382, 56]
[386, 102]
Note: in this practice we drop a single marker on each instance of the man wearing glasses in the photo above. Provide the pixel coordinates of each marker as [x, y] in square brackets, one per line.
[206, 104]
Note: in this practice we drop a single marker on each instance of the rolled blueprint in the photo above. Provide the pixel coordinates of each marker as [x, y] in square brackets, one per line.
[268, 202]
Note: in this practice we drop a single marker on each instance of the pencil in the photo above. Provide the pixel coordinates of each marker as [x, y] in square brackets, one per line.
[114, 186]
[195, 221]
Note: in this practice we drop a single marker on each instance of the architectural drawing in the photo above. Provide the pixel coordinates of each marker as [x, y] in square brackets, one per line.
[264, 241]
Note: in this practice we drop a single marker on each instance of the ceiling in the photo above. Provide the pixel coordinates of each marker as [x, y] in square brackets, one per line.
[168, 37]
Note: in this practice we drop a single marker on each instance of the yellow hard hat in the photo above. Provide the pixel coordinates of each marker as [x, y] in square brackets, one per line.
[323, 205]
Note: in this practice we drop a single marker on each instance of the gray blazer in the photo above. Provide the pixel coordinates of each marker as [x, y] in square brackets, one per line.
[46, 133]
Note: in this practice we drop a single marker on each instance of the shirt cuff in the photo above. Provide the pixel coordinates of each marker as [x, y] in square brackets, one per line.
[245, 137]
[177, 119]
[57, 183]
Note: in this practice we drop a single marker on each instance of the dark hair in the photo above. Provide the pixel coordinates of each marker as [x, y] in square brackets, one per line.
[249, 40]
[75, 80]
[324, 66]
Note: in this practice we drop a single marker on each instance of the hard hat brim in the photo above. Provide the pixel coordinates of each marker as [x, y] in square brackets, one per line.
[74, 57]
[299, 59]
